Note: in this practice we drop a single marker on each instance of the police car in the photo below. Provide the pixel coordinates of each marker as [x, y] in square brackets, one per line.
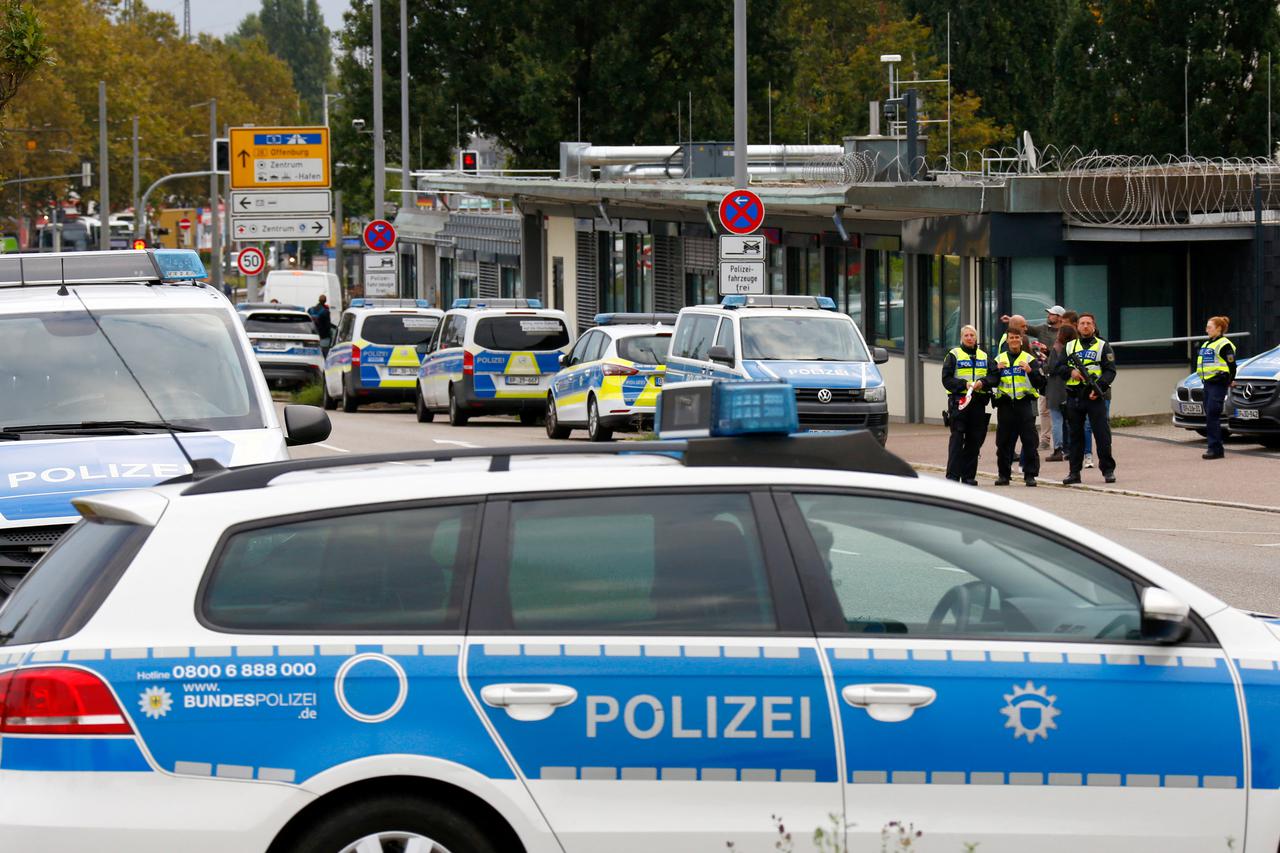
[492, 356]
[284, 342]
[106, 356]
[800, 340]
[631, 647]
[611, 377]
[376, 354]
[1252, 408]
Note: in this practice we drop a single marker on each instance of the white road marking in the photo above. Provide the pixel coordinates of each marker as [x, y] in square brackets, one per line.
[841, 551]
[451, 441]
[1267, 544]
[332, 447]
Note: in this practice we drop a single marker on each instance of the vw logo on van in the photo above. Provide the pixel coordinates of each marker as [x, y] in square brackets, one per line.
[824, 396]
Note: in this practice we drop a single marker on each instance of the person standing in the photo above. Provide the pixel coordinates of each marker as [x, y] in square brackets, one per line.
[1216, 367]
[1043, 338]
[324, 322]
[1056, 393]
[1017, 399]
[968, 377]
[1089, 356]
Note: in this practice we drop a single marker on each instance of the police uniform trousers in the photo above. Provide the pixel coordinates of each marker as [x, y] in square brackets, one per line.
[1215, 398]
[1080, 409]
[1017, 420]
[968, 432]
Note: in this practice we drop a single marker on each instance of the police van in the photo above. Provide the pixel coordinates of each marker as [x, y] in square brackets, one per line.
[800, 340]
[284, 342]
[1252, 409]
[376, 354]
[490, 357]
[634, 647]
[111, 361]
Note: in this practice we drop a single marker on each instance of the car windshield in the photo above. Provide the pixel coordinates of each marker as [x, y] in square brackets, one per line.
[517, 333]
[278, 323]
[804, 338]
[399, 329]
[645, 349]
[57, 368]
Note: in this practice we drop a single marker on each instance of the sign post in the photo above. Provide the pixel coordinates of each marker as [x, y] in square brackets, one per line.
[380, 274]
[742, 251]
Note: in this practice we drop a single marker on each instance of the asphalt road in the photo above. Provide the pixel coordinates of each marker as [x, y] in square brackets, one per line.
[1233, 553]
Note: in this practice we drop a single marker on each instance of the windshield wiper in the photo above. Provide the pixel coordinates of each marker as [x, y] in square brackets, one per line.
[98, 425]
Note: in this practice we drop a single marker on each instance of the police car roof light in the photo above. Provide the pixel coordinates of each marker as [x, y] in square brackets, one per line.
[468, 302]
[179, 264]
[47, 268]
[624, 319]
[757, 301]
[719, 408]
[367, 302]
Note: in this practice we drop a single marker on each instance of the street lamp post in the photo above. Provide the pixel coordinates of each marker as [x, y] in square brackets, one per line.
[379, 142]
[104, 205]
[404, 97]
[329, 96]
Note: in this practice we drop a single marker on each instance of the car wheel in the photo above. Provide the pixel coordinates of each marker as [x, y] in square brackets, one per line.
[595, 431]
[392, 823]
[554, 429]
[349, 403]
[1271, 441]
[330, 402]
[456, 416]
[425, 415]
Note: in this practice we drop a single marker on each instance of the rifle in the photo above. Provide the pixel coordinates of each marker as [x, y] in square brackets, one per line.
[1077, 361]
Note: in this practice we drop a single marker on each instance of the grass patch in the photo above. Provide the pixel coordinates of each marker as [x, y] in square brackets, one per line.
[308, 395]
[1126, 422]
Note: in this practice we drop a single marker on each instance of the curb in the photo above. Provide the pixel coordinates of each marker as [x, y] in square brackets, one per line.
[922, 466]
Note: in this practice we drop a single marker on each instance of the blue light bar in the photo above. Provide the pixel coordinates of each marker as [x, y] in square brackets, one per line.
[624, 319]
[497, 303]
[369, 302]
[180, 265]
[780, 301]
[726, 408]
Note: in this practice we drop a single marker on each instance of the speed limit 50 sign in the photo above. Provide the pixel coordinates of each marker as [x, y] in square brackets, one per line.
[251, 261]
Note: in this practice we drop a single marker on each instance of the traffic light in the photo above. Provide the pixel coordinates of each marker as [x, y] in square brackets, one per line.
[139, 243]
[222, 155]
[470, 161]
[86, 174]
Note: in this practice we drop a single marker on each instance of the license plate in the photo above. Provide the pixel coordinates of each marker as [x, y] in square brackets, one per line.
[1192, 409]
[403, 371]
[273, 346]
[1247, 414]
[523, 380]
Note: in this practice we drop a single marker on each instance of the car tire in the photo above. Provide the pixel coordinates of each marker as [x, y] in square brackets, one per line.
[554, 428]
[456, 416]
[330, 402]
[528, 418]
[595, 431]
[1271, 442]
[349, 404]
[393, 819]
[424, 415]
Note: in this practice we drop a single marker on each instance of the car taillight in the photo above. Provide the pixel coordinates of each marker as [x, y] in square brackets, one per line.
[611, 369]
[58, 701]
[355, 356]
[468, 363]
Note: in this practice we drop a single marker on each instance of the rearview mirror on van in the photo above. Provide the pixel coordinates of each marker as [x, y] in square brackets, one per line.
[879, 355]
[305, 425]
[721, 355]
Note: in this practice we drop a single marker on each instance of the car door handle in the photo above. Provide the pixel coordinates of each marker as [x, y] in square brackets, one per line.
[889, 703]
[528, 702]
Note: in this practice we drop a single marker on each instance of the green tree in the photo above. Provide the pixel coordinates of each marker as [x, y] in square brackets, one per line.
[23, 47]
[295, 31]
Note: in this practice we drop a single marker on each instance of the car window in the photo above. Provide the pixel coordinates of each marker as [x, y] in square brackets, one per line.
[694, 336]
[802, 338]
[637, 563]
[395, 570]
[399, 329]
[924, 570]
[344, 331]
[595, 348]
[579, 350]
[519, 333]
[278, 323]
[645, 349]
[454, 330]
[724, 338]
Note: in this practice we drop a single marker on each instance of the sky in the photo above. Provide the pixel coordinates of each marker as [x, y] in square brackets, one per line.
[220, 17]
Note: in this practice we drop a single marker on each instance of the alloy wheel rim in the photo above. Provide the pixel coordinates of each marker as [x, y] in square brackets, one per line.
[394, 841]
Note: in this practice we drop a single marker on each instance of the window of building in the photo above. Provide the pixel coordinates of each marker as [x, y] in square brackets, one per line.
[1150, 304]
[844, 281]
[804, 270]
[887, 298]
[987, 273]
[777, 269]
[509, 282]
[701, 288]
[1034, 287]
[940, 305]
[627, 267]
[448, 285]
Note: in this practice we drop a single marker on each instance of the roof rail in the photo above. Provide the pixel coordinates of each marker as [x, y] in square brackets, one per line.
[268, 306]
[779, 301]
[485, 302]
[380, 302]
[115, 267]
[857, 451]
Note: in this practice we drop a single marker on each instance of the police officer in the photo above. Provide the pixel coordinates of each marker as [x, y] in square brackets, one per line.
[1092, 356]
[1017, 398]
[967, 376]
[1216, 367]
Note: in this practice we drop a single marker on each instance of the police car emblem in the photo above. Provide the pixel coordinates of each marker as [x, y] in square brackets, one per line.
[824, 396]
[1030, 711]
[155, 702]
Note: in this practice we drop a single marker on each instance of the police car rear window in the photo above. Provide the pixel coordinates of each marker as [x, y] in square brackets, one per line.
[645, 349]
[266, 322]
[517, 333]
[66, 587]
[399, 329]
[395, 570]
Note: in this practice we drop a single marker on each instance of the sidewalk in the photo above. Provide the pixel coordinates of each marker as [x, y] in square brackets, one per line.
[1156, 460]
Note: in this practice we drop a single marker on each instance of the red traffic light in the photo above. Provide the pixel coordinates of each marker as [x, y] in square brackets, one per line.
[139, 244]
[471, 162]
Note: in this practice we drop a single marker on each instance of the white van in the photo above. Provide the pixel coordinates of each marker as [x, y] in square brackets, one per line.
[303, 287]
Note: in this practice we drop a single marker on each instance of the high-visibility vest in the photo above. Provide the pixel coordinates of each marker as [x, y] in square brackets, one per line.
[1092, 358]
[1014, 382]
[971, 368]
[1209, 362]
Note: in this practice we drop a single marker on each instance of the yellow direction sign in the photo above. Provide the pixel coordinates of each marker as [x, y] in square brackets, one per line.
[279, 157]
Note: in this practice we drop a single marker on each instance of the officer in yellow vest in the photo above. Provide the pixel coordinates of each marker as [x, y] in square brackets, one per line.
[1089, 355]
[968, 377]
[1017, 401]
[1216, 367]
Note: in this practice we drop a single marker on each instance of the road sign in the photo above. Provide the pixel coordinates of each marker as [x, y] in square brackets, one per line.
[285, 228]
[379, 236]
[742, 277]
[279, 157]
[283, 202]
[741, 212]
[380, 274]
[251, 261]
[184, 224]
[737, 248]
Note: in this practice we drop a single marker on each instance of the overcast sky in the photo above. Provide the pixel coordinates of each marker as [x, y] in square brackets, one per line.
[223, 16]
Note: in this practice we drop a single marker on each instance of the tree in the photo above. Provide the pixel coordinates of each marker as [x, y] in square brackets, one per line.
[295, 31]
[23, 47]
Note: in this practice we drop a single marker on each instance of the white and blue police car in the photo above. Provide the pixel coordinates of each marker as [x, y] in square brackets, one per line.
[800, 340]
[375, 357]
[631, 647]
[1252, 409]
[107, 356]
[284, 342]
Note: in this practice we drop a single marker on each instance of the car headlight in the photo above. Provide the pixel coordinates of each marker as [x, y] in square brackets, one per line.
[875, 395]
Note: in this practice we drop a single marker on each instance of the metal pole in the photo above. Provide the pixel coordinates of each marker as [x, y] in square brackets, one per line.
[337, 244]
[135, 187]
[379, 143]
[324, 98]
[215, 236]
[1186, 106]
[104, 194]
[740, 93]
[404, 99]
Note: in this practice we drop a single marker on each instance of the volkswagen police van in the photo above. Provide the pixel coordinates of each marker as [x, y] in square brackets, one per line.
[111, 359]
[284, 342]
[800, 340]
[1252, 409]
[492, 357]
[376, 354]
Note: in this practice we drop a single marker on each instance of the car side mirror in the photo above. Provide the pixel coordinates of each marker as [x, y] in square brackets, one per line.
[305, 425]
[1165, 617]
[879, 355]
[422, 349]
[721, 355]
[563, 359]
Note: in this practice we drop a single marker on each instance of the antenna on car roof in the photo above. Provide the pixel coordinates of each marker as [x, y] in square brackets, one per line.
[199, 467]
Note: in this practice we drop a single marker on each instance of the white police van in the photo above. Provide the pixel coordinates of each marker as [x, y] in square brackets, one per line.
[654, 647]
[376, 354]
[800, 340]
[105, 355]
[284, 342]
